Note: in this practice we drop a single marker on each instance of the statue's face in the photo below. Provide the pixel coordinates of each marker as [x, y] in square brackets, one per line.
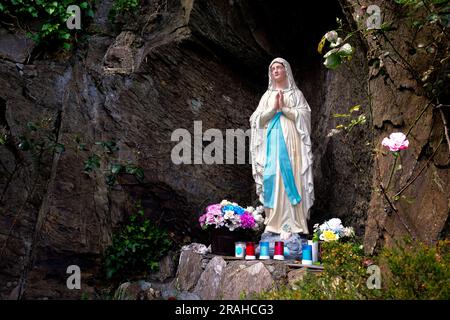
[278, 72]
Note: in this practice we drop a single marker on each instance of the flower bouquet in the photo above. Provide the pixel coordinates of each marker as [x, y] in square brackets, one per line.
[228, 222]
[332, 230]
[230, 215]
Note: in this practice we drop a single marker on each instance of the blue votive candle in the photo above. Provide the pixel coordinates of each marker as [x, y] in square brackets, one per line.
[307, 254]
[264, 250]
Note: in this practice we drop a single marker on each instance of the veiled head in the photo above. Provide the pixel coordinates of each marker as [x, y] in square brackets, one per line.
[278, 69]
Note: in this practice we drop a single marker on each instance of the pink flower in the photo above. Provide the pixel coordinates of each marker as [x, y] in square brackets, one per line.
[247, 221]
[396, 141]
[202, 220]
[368, 262]
[210, 219]
[214, 209]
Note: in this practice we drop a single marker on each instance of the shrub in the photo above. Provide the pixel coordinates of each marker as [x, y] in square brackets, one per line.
[137, 248]
[410, 270]
[417, 271]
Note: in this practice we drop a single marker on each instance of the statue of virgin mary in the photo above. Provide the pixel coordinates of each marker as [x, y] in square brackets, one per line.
[280, 148]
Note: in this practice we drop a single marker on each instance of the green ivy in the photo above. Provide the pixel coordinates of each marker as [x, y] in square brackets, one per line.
[39, 138]
[137, 248]
[123, 6]
[352, 119]
[53, 15]
[114, 167]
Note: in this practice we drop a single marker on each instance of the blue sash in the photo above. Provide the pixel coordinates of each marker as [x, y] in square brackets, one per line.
[276, 146]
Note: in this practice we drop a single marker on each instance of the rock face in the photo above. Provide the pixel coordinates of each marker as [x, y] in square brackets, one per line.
[191, 265]
[416, 202]
[243, 279]
[208, 285]
[139, 290]
[136, 81]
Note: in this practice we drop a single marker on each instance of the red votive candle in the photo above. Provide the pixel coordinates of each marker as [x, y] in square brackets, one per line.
[250, 251]
[279, 250]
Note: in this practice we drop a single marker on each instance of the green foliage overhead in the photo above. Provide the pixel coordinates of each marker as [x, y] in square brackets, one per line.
[123, 6]
[136, 249]
[52, 15]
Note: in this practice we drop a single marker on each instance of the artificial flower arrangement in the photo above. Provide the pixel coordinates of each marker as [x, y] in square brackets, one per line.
[332, 230]
[230, 215]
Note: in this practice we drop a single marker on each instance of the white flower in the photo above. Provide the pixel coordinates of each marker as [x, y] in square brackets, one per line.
[349, 232]
[260, 209]
[346, 49]
[331, 36]
[250, 209]
[329, 53]
[229, 214]
[259, 219]
[224, 203]
[234, 204]
[333, 132]
[336, 43]
[335, 224]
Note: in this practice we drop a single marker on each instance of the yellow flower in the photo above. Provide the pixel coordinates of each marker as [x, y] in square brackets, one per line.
[329, 236]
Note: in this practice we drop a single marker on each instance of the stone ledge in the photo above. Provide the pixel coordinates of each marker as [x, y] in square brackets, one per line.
[230, 278]
[204, 276]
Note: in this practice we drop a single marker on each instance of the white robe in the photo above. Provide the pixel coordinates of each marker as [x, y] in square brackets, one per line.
[284, 216]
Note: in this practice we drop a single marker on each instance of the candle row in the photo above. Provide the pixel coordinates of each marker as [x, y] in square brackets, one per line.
[247, 250]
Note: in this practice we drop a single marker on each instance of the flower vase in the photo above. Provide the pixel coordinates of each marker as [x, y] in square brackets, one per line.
[223, 240]
[315, 251]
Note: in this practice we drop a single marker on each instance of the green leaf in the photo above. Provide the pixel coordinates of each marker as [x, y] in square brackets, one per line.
[84, 5]
[339, 115]
[67, 46]
[115, 168]
[387, 26]
[355, 108]
[333, 61]
[92, 162]
[111, 179]
[24, 145]
[60, 148]
[31, 126]
[139, 174]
